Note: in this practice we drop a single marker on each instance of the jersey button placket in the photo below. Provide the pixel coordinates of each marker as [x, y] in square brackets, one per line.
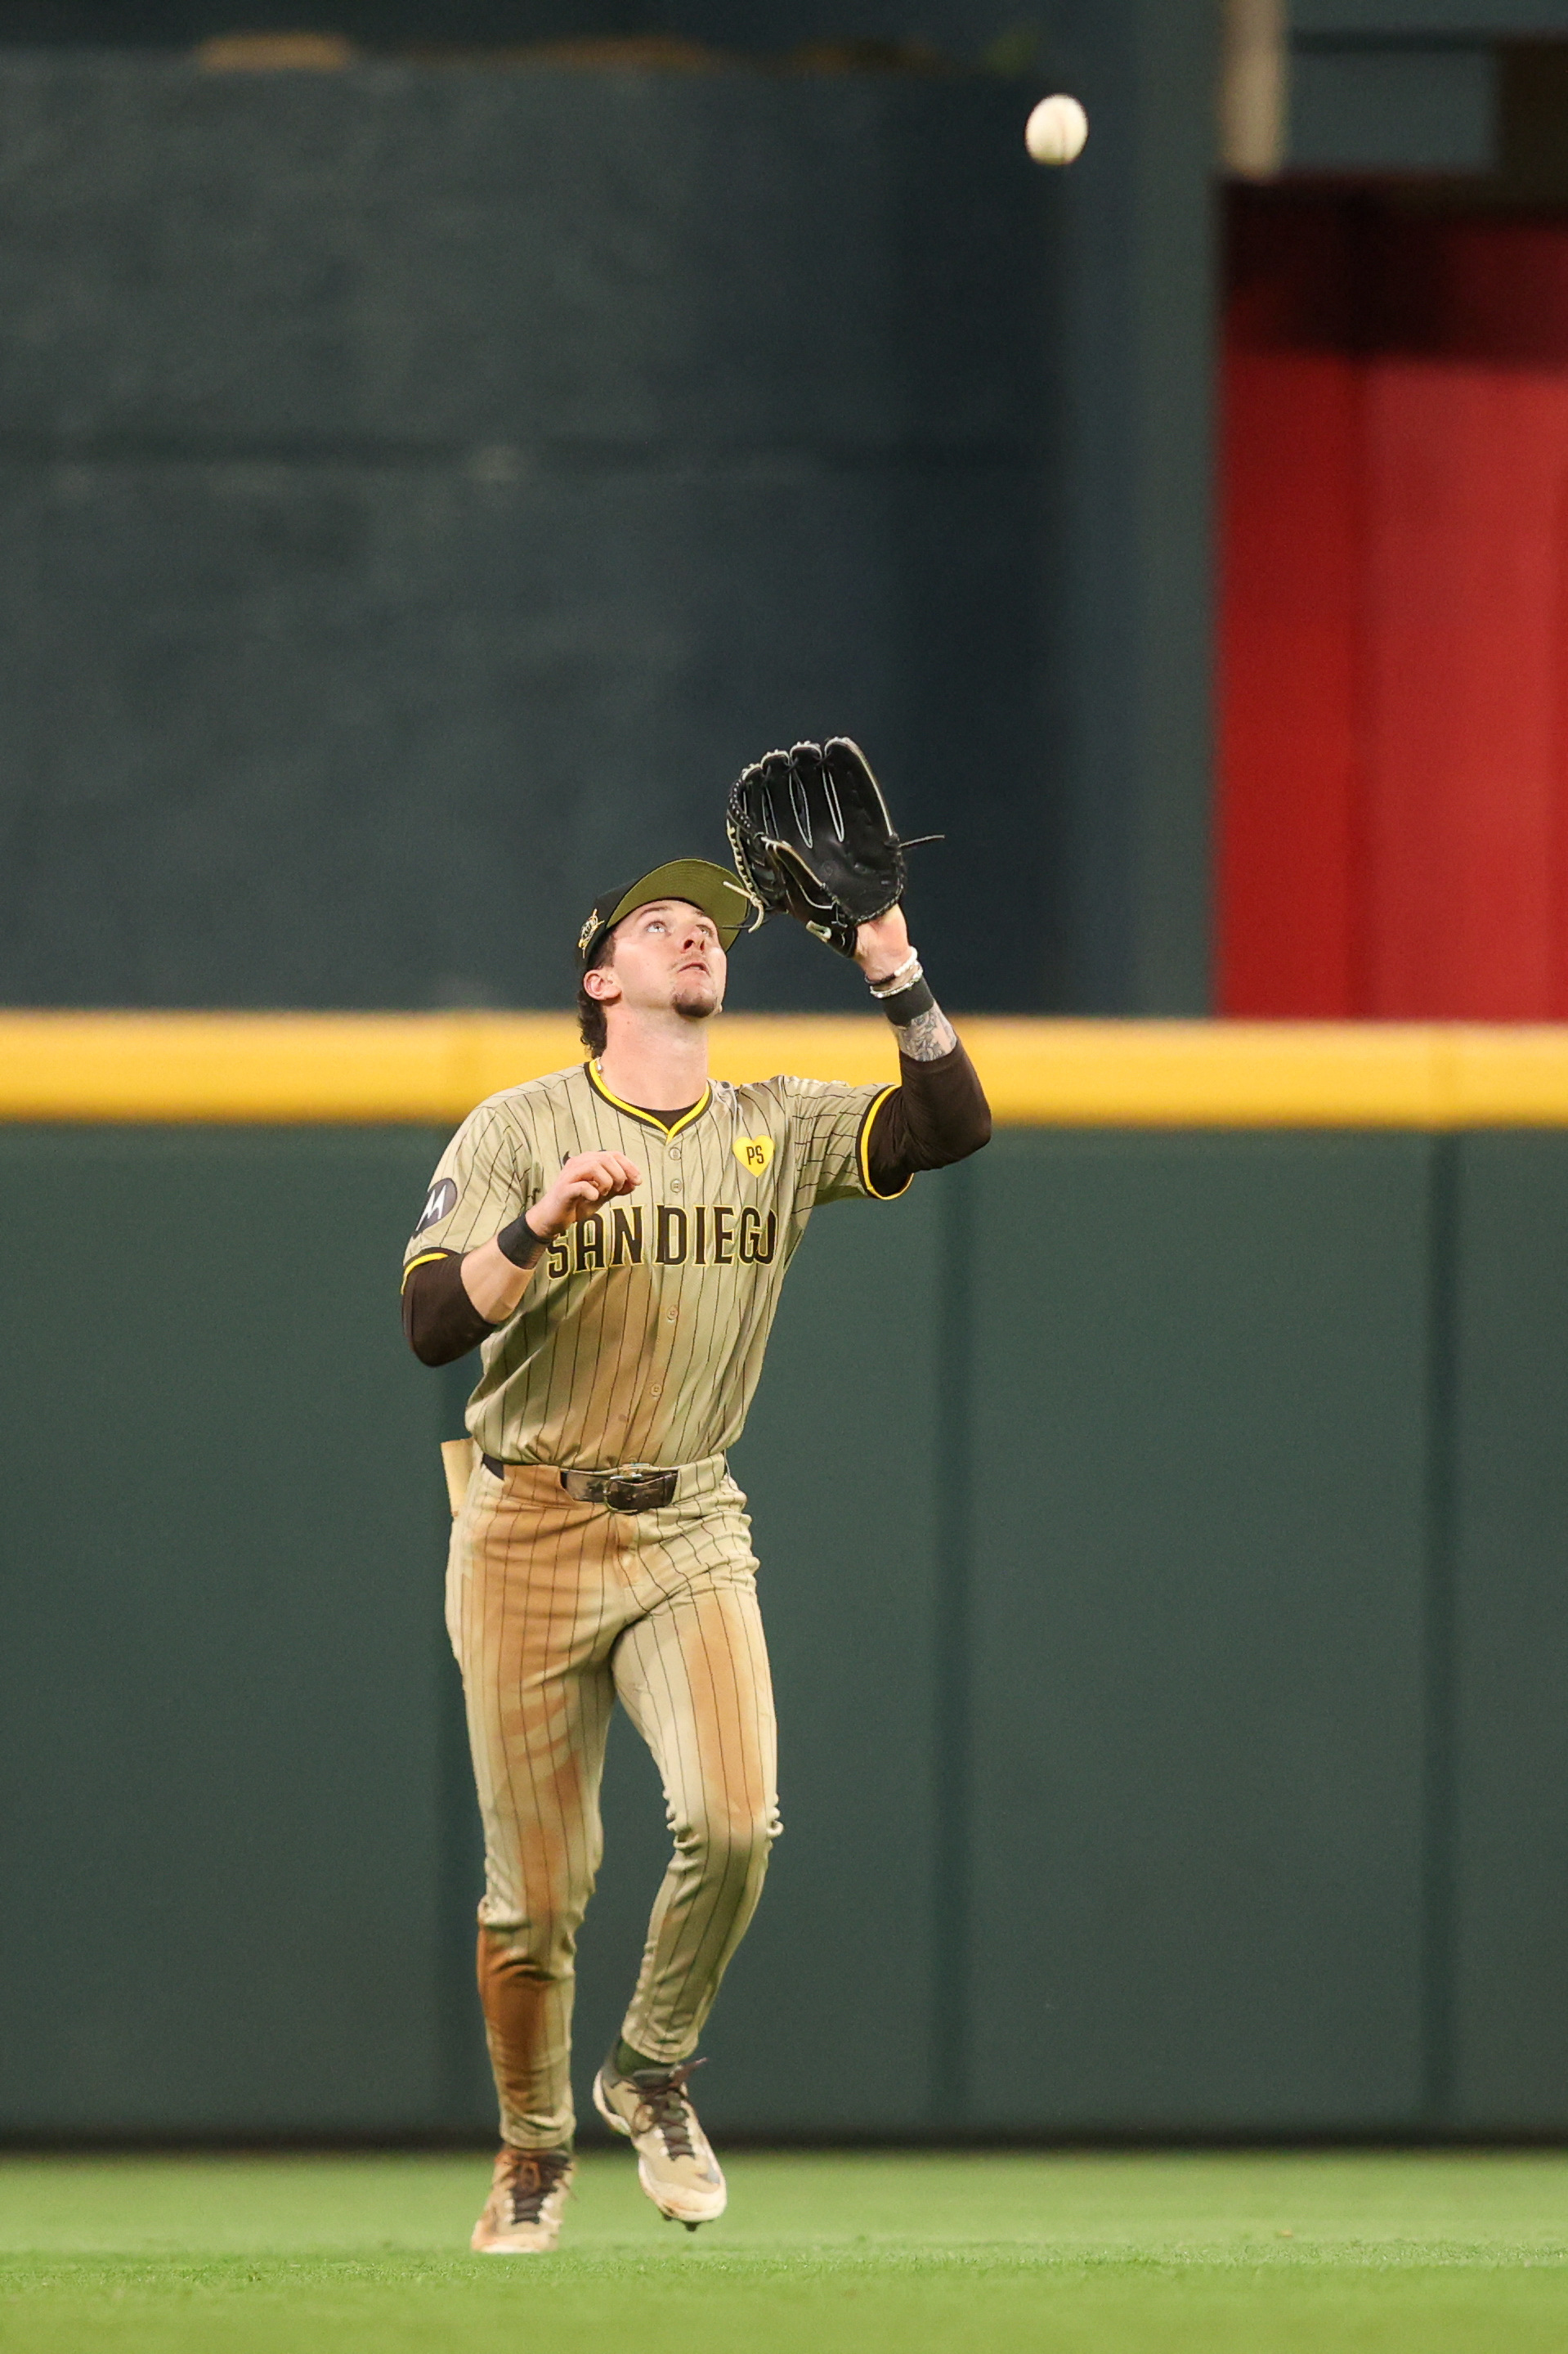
[672, 1185]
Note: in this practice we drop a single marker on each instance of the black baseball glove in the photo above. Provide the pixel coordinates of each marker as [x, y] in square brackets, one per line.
[812, 839]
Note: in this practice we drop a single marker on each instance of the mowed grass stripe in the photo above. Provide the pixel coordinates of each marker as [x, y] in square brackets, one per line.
[920, 2308]
[1432, 2252]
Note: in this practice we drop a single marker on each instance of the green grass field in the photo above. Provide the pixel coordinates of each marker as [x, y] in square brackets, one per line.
[819, 2255]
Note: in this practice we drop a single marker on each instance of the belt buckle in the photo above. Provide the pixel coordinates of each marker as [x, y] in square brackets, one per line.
[639, 1488]
[632, 1487]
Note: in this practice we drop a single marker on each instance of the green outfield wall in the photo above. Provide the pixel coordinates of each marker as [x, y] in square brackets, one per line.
[1163, 1536]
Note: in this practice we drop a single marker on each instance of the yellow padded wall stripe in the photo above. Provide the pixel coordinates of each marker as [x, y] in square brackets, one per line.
[345, 1067]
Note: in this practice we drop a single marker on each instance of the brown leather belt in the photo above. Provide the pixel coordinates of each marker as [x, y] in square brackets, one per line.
[632, 1488]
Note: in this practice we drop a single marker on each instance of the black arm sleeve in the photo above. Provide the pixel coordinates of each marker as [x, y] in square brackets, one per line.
[937, 1114]
[440, 1320]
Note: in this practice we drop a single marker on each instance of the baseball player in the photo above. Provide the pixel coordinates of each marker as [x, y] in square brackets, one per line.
[612, 1238]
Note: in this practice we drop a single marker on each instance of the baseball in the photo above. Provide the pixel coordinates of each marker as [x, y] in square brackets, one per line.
[1056, 130]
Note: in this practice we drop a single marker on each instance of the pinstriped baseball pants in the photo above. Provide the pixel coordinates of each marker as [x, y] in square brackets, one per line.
[556, 1610]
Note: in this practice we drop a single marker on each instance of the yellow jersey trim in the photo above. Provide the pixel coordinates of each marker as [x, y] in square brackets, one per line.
[424, 1260]
[341, 1069]
[649, 1119]
[864, 1148]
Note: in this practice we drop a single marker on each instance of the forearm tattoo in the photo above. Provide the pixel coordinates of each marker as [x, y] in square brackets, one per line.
[927, 1037]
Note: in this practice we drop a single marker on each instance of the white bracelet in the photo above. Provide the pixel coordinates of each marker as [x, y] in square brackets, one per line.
[908, 974]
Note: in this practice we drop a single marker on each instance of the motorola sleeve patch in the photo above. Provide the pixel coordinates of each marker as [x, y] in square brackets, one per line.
[440, 1202]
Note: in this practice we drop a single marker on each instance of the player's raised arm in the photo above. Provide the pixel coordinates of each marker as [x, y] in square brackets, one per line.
[937, 1113]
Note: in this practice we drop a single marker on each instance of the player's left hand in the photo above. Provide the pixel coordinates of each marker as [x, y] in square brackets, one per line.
[882, 946]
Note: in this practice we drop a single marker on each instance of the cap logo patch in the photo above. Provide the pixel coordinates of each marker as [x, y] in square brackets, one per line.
[754, 1154]
[588, 930]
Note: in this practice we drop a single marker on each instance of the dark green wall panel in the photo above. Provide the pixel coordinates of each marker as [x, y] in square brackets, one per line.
[222, 1831]
[1507, 1768]
[1196, 1566]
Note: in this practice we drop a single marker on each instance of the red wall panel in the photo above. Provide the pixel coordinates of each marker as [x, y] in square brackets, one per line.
[1393, 824]
[1467, 469]
[1289, 648]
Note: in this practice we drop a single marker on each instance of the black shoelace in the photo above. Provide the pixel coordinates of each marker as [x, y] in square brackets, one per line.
[663, 2092]
[534, 2173]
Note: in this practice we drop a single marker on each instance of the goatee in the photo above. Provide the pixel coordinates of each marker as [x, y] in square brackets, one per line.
[698, 1004]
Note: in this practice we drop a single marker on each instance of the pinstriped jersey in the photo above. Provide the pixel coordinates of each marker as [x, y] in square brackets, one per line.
[640, 1335]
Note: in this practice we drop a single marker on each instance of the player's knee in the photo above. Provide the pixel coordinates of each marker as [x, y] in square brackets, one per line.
[541, 1948]
[732, 1843]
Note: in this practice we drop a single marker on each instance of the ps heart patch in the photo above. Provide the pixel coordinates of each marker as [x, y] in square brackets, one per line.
[754, 1154]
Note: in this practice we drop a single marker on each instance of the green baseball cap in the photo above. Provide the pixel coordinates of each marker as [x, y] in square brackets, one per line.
[713, 889]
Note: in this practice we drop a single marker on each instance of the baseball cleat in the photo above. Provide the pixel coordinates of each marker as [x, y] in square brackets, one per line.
[675, 2163]
[522, 2216]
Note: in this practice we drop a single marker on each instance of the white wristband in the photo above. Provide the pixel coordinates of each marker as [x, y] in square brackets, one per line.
[908, 974]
